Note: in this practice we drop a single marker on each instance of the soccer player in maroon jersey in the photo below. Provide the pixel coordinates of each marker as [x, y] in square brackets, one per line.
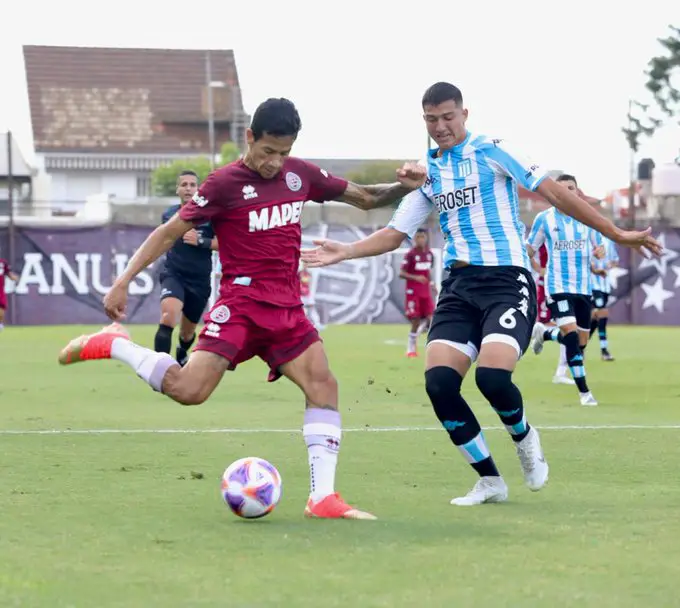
[416, 269]
[5, 271]
[254, 206]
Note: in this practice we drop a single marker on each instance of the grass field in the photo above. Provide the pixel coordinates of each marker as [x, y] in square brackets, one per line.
[135, 518]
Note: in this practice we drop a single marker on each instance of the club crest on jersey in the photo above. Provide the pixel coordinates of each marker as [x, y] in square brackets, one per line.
[249, 192]
[293, 181]
[464, 168]
[221, 314]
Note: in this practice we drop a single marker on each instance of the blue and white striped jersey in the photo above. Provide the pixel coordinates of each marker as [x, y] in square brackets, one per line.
[600, 283]
[474, 187]
[570, 250]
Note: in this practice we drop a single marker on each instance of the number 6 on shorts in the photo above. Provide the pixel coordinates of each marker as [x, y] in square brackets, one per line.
[507, 319]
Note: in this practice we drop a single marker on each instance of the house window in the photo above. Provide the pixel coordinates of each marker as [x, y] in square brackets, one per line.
[143, 186]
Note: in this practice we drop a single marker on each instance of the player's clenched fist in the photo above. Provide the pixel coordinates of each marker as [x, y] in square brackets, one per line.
[115, 302]
[412, 175]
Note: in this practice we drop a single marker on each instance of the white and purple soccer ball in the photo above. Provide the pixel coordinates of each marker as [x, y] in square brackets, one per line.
[251, 487]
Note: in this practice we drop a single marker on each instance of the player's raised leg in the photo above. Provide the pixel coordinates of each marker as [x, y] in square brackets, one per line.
[190, 385]
[506, 334]
[322, 431]
[497, 359]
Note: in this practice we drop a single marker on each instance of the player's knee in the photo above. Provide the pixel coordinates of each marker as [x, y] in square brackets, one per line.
[443, 386]
[178, 389]
[493, 382]
[168, 319]
[190, 396]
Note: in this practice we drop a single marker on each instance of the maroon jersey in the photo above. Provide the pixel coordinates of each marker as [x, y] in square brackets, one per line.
[543, 256]
[4, 271]
[257, 224]
[418, 262]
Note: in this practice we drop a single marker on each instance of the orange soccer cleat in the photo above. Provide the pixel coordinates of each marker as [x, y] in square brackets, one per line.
[412, 354]
[334, 507]
[94, 346]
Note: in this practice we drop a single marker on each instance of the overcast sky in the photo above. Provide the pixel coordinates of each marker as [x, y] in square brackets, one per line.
[555, 77]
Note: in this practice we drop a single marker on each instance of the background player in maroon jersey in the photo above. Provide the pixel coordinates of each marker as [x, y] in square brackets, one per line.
[416, 269]
[5, 271]
[254, 206]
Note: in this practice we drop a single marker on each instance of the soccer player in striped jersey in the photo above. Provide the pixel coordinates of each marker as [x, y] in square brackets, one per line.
[539, 263]
[487, 303]
[570, 247]
[601, 289]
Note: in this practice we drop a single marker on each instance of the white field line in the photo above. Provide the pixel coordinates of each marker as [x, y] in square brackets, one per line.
[395, 429]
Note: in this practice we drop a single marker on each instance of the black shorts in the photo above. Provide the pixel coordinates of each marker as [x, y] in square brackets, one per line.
[193, 297]
[570, 308]
[600, 299]
[479, 304]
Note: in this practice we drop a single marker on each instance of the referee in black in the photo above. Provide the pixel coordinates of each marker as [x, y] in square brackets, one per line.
[185, 277]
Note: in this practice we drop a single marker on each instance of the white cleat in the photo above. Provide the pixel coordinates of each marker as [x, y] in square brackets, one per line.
[532, 461]
[537, 338]
[486, 490]
[588, 400]
[563, 379]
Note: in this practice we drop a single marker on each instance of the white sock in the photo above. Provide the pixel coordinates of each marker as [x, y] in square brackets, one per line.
[322, 433]
[562, 365]
[2, 326]
[149, 365]
[412, 342]
[422, 327]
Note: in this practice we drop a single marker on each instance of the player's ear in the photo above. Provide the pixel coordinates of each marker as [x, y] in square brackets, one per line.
[250, 138]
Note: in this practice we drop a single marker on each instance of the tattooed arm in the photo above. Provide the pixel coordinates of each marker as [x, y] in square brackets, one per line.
[410, 177]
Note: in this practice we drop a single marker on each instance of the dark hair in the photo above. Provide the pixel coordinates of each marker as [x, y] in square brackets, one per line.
[440, 92]
[187, 172]
[565, 177]
[421, 231]
[277, 117]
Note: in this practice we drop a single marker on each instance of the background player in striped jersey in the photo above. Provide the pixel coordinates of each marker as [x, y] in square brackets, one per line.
[539, 263]
[416, 269]
[570, 247]
[601, 289]
[487, 303]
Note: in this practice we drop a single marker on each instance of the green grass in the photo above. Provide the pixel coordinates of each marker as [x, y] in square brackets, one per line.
[124, 520]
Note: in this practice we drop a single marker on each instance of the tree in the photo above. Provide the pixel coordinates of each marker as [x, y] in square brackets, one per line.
[663, 74]
[229, 152]
[663, 82]
[376, 172]
[164, 179]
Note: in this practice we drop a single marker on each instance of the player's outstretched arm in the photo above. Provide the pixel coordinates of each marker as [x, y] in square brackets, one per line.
[155, 245]
[571, 204]
[409, 178]
[330, 252]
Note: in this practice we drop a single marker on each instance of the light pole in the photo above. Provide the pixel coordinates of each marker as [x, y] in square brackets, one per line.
[210, 85]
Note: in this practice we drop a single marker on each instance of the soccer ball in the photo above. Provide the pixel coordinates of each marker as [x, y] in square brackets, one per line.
[251, 487]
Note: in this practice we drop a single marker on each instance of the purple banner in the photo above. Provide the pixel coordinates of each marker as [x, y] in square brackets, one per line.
[64, 273]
